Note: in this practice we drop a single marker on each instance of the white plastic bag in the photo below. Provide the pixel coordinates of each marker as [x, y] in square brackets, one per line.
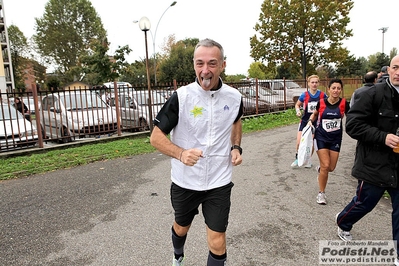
[305, 146]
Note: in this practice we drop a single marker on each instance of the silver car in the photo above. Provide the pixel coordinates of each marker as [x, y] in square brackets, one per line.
[132, 115]
[275, 101]
[70, 114]
[15, 131]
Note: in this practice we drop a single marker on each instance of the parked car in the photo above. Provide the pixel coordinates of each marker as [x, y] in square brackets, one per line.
[275, 101]
[73, 114]
[249, 105]
[157, 101]
[291, 90]
[132, 115]
[15, 131]
[119, 84]
[123, 87]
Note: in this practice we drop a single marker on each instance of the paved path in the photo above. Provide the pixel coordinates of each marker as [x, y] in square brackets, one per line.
[118, 212]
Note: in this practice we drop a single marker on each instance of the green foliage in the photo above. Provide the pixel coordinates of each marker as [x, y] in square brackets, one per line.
[18, 48]
[313, 23]
[59, 159]
[66, 30]
[380, 61]
[234, 78]
[350, 67]
[393, 52]
[284, 71]
[53, 83]
[179, 65]
[269, 121]
[18, 41]
[257, 70]
[135, 73]
[99, 67]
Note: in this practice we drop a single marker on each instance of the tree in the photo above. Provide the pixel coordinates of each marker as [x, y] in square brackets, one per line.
[256, 70]
[393, 52]
[22, 63]
[318, 25]
[350, 67]
[135, 73]
[18, 48]
[99, 67]
[179, 64]
[18, 41]
[377, 61]
[234, 78]
[284, 71]
[65, 31]
[53, 83]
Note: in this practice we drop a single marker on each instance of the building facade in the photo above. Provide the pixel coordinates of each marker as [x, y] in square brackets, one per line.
[6, 72]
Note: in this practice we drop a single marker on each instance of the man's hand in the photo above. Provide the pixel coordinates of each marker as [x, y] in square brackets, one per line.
[236, 158]
[392, 141]
[191, 156]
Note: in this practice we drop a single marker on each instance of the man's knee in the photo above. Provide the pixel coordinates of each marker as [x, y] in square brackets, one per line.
[180, 230]
[217, 242]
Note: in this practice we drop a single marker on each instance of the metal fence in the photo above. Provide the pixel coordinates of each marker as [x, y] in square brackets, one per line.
[67, 115]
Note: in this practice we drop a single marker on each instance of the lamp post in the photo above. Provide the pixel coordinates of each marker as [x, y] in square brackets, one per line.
[383, 29]
[145, 26]
[302, 48]
[153, 41]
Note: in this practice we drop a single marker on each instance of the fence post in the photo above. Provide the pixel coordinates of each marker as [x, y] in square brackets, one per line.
[118, 113]
[37, 116]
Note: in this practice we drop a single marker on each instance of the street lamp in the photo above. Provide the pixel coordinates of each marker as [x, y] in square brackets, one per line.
[145, 26]
[153, 41]
[302, 48]
[383, 29]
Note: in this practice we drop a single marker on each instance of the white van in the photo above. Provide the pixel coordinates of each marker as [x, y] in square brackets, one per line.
[70, 114]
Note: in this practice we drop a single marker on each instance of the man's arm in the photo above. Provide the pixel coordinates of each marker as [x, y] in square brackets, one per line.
[236, 135]
[163, 144]
[298, 105]
[361, 121]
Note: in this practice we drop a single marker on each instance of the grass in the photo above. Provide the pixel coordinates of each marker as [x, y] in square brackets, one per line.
[52, 160]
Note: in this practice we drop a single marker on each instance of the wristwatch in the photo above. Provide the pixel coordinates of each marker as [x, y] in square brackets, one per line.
[237, 147]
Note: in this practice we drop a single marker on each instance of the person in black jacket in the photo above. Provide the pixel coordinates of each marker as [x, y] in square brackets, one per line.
[369, 79]
[21, 107]
[383, 75]
[373, 121]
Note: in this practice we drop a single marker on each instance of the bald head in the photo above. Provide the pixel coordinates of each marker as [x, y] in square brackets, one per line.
[393, 71]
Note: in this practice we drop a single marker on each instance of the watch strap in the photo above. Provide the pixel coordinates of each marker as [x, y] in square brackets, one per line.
[237, 147]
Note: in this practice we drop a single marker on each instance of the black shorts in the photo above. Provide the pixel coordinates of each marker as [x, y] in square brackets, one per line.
[332, 146]
[215, 205]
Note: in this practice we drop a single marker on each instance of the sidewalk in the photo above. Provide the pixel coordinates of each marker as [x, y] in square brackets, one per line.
[119, 213]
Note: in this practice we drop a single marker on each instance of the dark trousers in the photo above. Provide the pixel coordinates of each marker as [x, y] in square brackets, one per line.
[367, 197]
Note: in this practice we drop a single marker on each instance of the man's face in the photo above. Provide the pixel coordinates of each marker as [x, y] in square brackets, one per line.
[208, 66]
[393, 71]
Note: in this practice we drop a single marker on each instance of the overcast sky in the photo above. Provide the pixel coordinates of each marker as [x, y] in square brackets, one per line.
[228, 22]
